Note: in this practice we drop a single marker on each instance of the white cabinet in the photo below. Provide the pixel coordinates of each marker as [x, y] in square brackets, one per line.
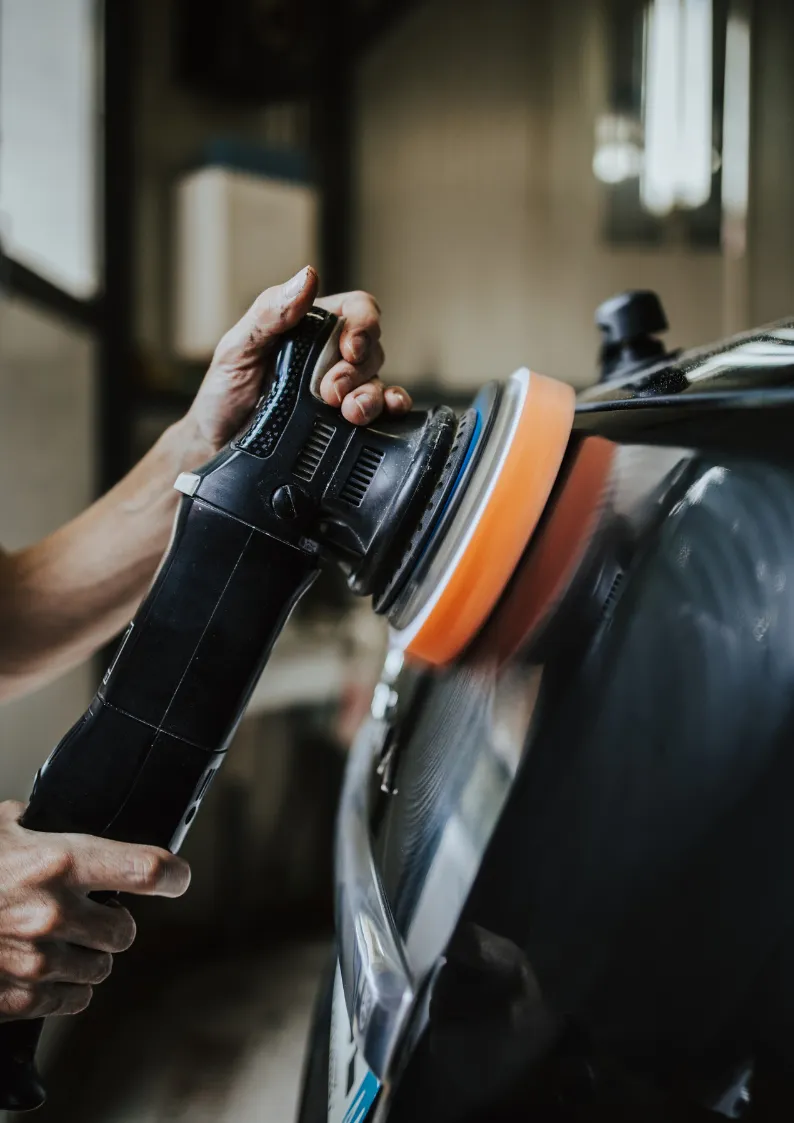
[236, 233]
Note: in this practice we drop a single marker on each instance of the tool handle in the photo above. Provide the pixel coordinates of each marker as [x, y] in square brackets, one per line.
[292, 401]
[138, 763]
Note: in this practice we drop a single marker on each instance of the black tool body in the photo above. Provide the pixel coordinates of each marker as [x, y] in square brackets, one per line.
[254, 524]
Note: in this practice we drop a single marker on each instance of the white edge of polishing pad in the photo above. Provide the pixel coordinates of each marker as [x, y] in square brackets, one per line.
[404, 637]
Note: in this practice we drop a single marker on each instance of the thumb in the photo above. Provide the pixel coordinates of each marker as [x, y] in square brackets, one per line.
[274, 311]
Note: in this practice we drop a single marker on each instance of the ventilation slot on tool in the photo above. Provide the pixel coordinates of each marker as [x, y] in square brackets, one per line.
[361, 477]
[312, 452]
[612, 596]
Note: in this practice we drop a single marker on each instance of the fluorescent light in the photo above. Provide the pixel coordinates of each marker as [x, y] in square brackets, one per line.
[658, 181]
[615, 163]
[679, 158]
[48, 140]
[618, 151]
[694, 154]
[736, 118]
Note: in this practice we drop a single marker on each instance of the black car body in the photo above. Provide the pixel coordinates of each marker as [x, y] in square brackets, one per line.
[564, 865]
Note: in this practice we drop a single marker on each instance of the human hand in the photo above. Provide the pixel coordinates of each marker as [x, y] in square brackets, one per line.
[55, 943]
[232, 385]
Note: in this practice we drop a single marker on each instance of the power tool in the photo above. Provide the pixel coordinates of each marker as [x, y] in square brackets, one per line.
[420, 512]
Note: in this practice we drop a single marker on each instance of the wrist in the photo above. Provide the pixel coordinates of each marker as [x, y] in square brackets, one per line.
[186, 445]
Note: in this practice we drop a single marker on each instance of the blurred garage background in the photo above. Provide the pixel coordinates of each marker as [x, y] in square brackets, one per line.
[491, 172]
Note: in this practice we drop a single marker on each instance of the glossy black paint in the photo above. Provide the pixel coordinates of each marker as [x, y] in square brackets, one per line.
[652, 813]
[625, 952]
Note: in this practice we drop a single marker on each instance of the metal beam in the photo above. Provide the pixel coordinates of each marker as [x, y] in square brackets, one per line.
[17, 280]
[345, 35]
[331, 140]
[115, 367]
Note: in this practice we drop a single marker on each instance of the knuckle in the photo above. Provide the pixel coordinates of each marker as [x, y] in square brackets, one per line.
[146, 869]
[57, 863]
[20, 1003]
[271, 307]
[33, 966]
[229, 347]
[44, 918]
[370, 310]
[369, 393]
[344, 374]
[266, 300]
[224, 347]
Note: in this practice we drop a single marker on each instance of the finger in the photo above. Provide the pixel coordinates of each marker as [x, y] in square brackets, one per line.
[101, 864]
[97, 927]
[397, 400]
[77, 965]
[55, 962]
[68, 916]
[364, 404]
[67, 998]
[343, 378]
[274, 311]
[48, 1001]
[362, 323]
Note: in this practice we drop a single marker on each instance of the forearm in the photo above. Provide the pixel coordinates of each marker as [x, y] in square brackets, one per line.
[65, 596]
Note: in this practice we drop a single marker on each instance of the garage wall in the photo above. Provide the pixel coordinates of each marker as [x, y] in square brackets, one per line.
[47, 469]
[173, 126]
[771, 263]
[478, 212]
[49, 68]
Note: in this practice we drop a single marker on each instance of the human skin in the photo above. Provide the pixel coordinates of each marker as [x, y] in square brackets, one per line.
[63, 597]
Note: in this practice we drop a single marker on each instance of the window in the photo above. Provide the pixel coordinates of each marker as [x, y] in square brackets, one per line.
[49, 139]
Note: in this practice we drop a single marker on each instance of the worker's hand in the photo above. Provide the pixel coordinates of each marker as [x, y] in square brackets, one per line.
[232, 385]
[55, 944]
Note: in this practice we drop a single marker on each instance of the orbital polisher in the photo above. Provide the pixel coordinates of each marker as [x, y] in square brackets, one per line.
[428, 514]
